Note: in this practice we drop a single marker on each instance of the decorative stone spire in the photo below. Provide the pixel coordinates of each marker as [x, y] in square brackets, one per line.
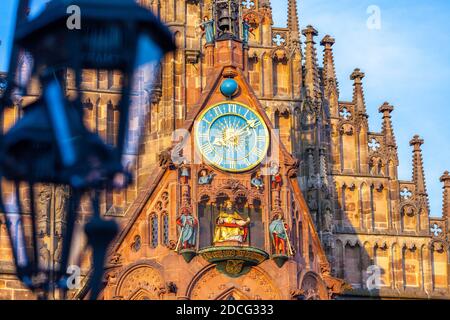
[311, 70]
[388, 130]
[292, 22]
[418, 172]
[329, 70]
[358, 92]
[445, 179]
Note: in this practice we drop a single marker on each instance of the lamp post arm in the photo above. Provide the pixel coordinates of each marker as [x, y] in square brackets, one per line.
[21, 16]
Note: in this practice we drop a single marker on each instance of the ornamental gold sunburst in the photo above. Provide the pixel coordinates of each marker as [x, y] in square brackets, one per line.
[232, 137]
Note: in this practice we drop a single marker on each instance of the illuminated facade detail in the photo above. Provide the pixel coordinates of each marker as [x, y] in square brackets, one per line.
[326, 181]
[232, 137]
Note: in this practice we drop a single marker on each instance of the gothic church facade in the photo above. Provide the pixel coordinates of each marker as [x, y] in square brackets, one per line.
[313, 216]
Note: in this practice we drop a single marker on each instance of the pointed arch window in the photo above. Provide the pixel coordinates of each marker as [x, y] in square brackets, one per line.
[110, 124]
[165, 229]
[154, 231]
[300, 238]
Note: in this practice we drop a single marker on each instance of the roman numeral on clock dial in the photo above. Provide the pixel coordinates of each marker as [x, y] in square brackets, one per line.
[207, 148]
[217, 159]
[232, 108]
[218, 112]
[259, 153]
[261, 138]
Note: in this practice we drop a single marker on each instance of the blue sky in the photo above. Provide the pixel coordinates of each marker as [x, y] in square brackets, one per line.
[406, 63]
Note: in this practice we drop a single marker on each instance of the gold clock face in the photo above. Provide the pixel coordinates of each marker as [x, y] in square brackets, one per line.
[232, 137]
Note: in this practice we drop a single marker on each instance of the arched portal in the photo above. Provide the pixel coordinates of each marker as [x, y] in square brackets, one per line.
[140, 282]
[210, 284]
[312, 288]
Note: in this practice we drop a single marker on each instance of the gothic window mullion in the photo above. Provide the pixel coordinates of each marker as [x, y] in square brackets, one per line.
[153, 230]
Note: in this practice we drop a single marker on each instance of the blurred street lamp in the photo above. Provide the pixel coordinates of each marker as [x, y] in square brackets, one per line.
[51, 144]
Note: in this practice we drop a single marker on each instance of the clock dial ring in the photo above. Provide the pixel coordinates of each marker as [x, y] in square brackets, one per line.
[232, 137]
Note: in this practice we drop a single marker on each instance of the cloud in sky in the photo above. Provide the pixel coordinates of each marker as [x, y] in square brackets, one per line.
[406, 63]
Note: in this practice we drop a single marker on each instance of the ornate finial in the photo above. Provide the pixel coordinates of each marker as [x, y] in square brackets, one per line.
[418, 171]
[265, 3]
[386, 109]
[416, 142]
[327, 41]
[357, 76]
[388, 131]
[310, 32]
[358, 92]
[445, 179]
[329, 70]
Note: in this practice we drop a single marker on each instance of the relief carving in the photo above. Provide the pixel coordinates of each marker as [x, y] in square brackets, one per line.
[43, 210]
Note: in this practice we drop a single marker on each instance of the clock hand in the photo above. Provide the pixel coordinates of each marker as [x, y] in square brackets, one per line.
[250, 124]
[219, 142]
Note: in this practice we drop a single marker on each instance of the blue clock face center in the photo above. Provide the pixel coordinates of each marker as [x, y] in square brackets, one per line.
[232, 137]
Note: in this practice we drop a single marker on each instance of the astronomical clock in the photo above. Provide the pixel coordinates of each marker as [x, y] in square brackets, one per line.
[234, 228]
[232, 137]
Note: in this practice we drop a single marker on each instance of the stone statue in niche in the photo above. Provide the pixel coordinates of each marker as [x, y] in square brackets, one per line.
[44, 254]
[58, 251]
[276, 178]
[43, 210]
[62, 194]
[257, 181]
[246, 30]
[279, 234]
[328, 220]
[184, 173]
[205, 178]
[208, 27]
[230, 225]
[188, 230]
